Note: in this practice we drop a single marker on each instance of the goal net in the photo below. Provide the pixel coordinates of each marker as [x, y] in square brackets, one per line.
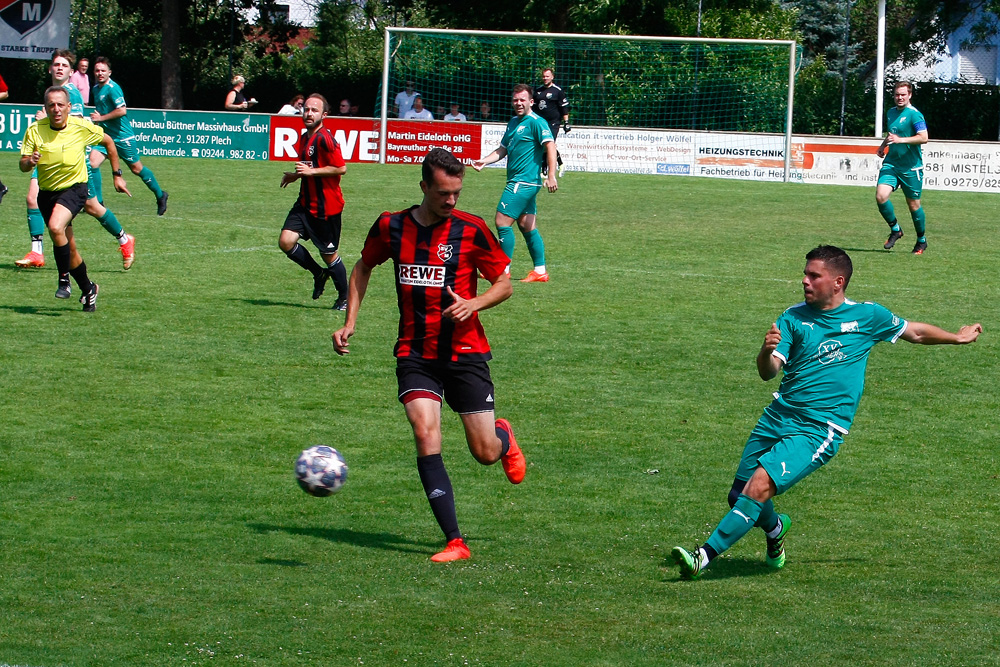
[737, 91]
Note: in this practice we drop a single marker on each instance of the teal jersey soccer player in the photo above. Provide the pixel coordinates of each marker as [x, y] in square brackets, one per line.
[528, 146]
[821, 346]
[109, 100]
[903, 167]
[60, 69]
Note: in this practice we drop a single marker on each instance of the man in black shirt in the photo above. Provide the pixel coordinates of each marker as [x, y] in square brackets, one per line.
[552, 105]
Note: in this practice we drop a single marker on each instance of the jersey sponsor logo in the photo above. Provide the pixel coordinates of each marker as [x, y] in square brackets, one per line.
[849, 327]
[444, 252]
[419, 275]
[830, 351]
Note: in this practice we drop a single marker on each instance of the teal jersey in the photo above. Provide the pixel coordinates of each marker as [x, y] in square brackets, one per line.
[525, 141]
[107, 98]
[75, 100]
[906, 122]
[826, 354]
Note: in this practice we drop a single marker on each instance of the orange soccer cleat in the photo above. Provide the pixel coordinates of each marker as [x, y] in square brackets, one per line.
[535, 277]
[32, 259]
[513, 462]
[128, 251]
[456, 550]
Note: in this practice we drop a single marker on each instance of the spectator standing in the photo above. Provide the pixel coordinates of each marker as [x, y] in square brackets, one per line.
[235, 99]
[80, 79]
[405, 99]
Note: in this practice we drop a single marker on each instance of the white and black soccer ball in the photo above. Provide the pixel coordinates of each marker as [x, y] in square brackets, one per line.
[321, 470]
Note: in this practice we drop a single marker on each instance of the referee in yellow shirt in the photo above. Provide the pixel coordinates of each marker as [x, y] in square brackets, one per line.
[57, 146]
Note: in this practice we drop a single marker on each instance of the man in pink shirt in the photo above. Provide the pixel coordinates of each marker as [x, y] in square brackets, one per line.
[80, 79]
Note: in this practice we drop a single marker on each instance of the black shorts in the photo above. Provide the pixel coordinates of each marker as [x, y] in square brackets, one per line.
[72, 198]
[323, 232]
[554, 128]
[465, 385]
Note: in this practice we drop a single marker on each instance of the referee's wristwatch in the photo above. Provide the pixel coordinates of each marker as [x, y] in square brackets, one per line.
[116, 172]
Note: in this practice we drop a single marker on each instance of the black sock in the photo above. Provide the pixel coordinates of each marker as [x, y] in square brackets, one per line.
[61, 253]
[301, 256]
[710, 552]
[339, 275]
[80, 276]
[437, 486]
[504, 441]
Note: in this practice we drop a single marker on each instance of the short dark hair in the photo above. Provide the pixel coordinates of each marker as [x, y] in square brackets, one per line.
[900, 84]
[64, 53]
[101, 59]
[834, 258]
[441, 159]
[326, 105]
[522, 87]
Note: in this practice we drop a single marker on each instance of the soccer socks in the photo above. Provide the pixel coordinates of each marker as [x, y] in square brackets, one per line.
[110, 223]
[736, 524]
[768, 518]
[97, 181]
[339, 276]
[62, 254]
[147, 177]
[536, 248]
[504, 441]
[80, 276]
[437, 486]
[919, 224]
[301, 256]
[36, 223]
[889, 214]
[507, 240]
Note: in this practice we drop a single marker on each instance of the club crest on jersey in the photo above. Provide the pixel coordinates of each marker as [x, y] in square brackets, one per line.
[849, 327]
[444, 252]
[26, 16]
[830, 351]
[421, 275]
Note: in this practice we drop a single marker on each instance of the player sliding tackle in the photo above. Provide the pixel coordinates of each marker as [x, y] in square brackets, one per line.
[822, 346]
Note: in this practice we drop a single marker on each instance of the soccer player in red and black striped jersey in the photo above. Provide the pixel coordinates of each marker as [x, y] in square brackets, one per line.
[442, 352]
[316, 214]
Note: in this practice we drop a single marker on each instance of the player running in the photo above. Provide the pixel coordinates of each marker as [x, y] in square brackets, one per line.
[903, 166]
[442, 351]
[528, 145]
[61, 68]
[822, 347]
[109, 101]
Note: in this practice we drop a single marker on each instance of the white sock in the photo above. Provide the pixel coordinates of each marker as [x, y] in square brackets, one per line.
[36, 246]
[540, 270]
[777, 530]
[702, 558]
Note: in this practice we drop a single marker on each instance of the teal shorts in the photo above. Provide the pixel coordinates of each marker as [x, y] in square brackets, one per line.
[911, 180]
[788, 447]
[127, 151]
[518, 199]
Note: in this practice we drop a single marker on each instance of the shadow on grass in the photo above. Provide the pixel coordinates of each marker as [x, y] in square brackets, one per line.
[386, 541]
[285, 562]
[47, 311]
[280, 304]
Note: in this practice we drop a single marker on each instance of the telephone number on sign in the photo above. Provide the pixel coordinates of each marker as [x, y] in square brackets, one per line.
[247, 155]
[988, 183]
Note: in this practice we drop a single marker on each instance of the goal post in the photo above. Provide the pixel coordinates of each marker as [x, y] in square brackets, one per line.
[611, 81]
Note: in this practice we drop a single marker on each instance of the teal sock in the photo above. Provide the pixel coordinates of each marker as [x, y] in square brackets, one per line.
[97, 184]
[919, 224]
[110, 223]
[768, 518]
[507, 240]
[736, 524]
[536, 246]
[147, 177]
[36, 223]
[889, 215]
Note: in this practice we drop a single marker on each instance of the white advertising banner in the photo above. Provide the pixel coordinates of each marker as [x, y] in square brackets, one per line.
[33, 28]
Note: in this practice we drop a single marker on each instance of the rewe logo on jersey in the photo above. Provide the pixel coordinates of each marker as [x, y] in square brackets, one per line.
[26, 16]
[419, 275]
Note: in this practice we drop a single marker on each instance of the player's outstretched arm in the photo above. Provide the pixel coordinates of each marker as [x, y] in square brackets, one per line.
[497, 155]
[356, 289]
[922, 333]
[767, 364]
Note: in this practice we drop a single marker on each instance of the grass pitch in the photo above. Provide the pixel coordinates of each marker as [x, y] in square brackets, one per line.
[149, 516]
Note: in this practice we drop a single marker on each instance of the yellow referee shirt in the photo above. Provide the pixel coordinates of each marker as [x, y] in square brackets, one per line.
[64, 152]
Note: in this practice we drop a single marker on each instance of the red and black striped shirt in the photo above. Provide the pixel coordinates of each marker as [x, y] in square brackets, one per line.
[427, 260]
[321, 195]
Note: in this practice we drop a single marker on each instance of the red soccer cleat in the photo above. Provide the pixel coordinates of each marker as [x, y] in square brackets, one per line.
[128, 251]
[456, 550]
[513, 462]
[535, 277]
[32, 259]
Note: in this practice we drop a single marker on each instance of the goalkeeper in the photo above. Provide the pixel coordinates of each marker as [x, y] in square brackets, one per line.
[552, 105]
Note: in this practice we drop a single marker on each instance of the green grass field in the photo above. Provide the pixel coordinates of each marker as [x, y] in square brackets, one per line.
[149, 515]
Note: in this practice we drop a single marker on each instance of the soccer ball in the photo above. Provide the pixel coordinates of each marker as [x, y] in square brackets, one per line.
[321, 470]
